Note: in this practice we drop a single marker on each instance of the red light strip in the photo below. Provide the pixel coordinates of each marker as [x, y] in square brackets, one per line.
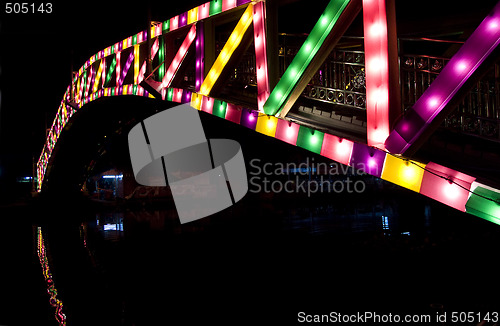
[377, 72]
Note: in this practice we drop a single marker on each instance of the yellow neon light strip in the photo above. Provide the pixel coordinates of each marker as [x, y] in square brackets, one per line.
[231, 45]
[98, 76]
[193, 15]
[136, 64]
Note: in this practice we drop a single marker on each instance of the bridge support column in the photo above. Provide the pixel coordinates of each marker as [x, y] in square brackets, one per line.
[383, 103]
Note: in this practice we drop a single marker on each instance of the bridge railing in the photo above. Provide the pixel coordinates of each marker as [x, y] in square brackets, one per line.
[341, 78]
[341, 81]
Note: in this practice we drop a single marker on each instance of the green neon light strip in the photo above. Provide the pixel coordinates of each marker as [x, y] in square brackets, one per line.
[306, 54]
[111, 70]
[170, 95]
[310, 139]
[84, 83]
[161, 58]
[166, 26]
[219, 109]
[215, 7]
[484, 203]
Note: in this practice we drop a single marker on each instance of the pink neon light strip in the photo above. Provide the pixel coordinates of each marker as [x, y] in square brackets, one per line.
[141, 73]
[103, 74]
[377, 72]
[174, 23]
[177, 95]
[179, 57]
[80, 88]
[259, 26]
[118, 75]
[154, 48]
[228, 4]
[204, 11]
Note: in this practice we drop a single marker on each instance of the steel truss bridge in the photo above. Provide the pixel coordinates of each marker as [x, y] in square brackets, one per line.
[184, 60]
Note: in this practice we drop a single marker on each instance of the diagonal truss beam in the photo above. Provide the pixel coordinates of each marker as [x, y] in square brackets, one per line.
[126, 67]
[179, 57]
[235, 39]
[98, 76]
[418, 120]
[325, 34]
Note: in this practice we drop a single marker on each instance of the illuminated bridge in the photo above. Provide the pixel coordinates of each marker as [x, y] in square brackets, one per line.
[351, 89]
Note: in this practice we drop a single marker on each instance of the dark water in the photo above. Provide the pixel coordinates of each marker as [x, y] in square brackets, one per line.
[259, 262]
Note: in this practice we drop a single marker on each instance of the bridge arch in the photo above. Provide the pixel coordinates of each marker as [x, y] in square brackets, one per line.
[122, 69]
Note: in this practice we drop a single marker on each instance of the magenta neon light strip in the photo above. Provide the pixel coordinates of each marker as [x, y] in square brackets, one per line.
[103, 73]
[80, 92]
[453, 76]
[92, 81]
[126, 68]
[200, 56]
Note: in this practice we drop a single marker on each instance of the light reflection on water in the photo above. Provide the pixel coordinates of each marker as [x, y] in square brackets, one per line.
[142, 267]
[47, 274]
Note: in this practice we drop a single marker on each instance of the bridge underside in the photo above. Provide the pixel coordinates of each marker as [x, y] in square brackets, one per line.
[96, 137]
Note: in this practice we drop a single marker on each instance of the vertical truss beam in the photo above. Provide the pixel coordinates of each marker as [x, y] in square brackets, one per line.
[200, 55]
[382, 98]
